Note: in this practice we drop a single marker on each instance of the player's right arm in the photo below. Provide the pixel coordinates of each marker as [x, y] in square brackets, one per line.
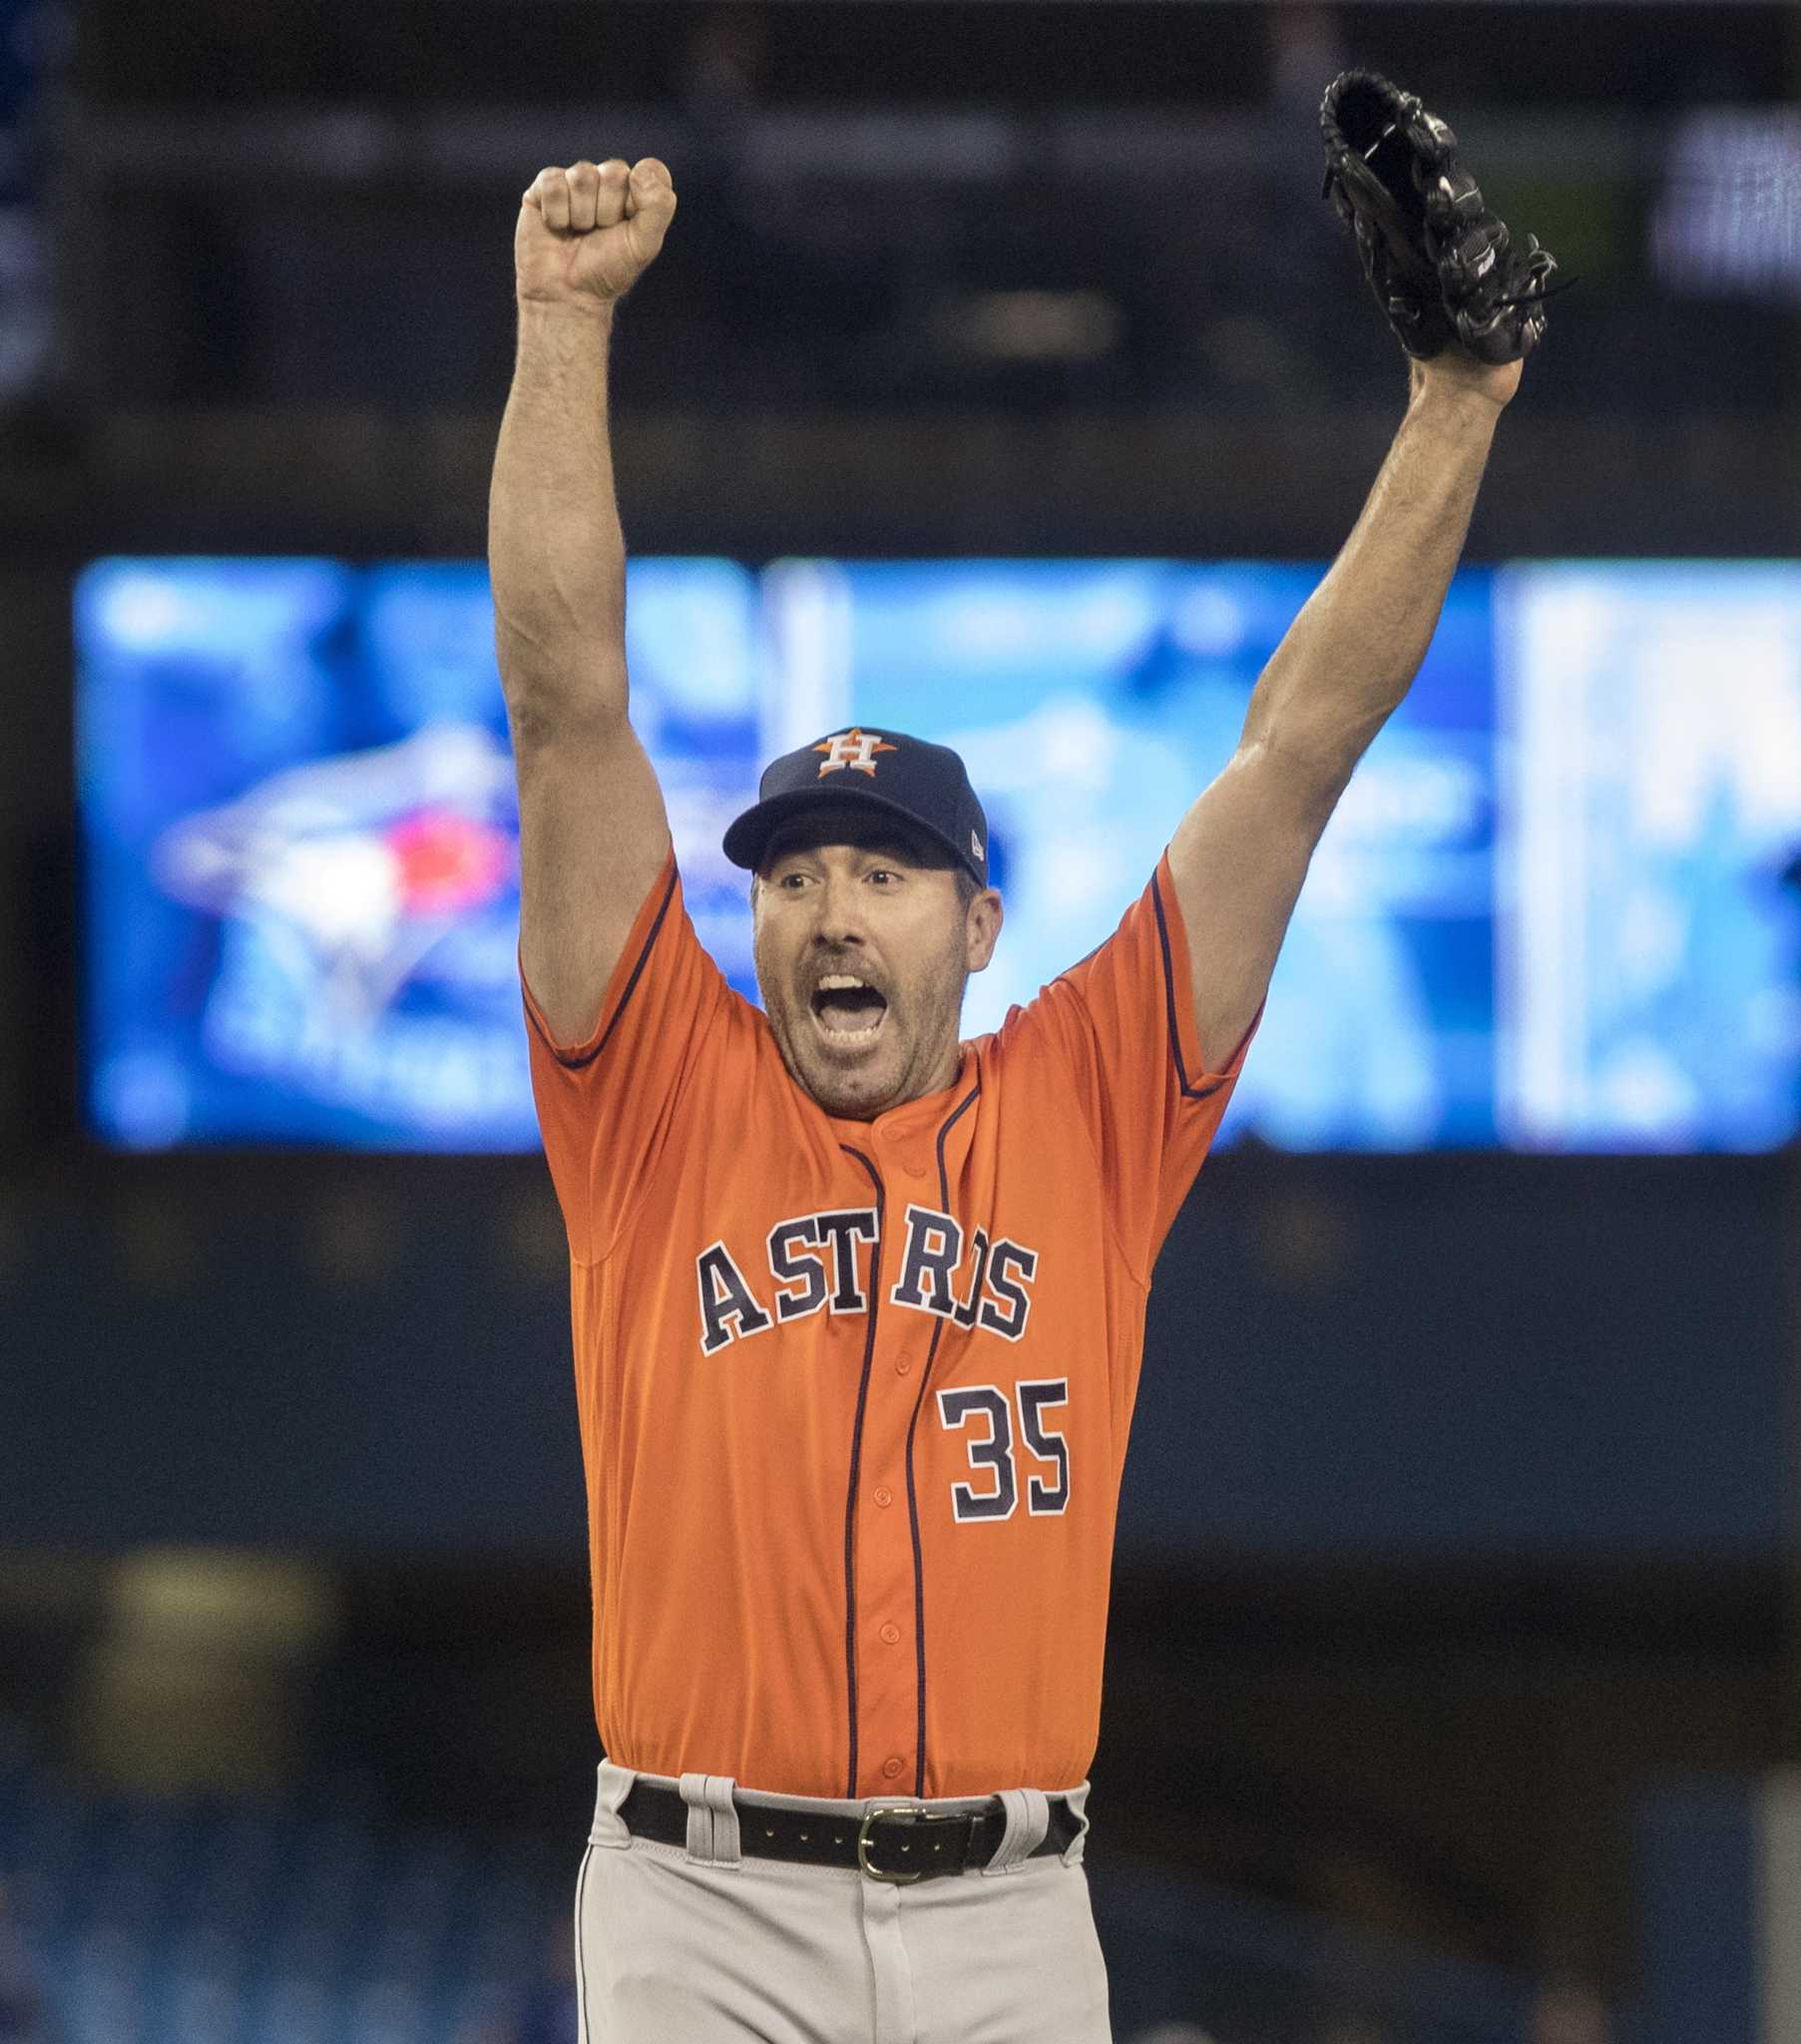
[593, 831]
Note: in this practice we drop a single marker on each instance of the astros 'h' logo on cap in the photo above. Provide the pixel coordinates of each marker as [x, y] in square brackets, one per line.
[853, 748]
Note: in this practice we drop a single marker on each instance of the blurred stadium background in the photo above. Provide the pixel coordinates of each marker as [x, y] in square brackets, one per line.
[1004, 378]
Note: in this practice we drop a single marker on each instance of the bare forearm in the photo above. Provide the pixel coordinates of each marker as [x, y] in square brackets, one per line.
[556, 554]
[1351, 655]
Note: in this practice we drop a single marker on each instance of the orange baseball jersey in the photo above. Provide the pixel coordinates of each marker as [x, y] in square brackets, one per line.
[854, 1395]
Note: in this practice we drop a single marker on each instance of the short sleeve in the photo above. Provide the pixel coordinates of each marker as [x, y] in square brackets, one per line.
[610, 1107]
[1121, 1025]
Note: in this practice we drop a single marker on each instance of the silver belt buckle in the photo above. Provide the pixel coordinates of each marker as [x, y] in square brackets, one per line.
[914, 1815]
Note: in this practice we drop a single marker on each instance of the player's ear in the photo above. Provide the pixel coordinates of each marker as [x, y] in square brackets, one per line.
[981, 928]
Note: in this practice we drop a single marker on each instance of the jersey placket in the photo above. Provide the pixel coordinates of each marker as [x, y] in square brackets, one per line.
[886, 1617]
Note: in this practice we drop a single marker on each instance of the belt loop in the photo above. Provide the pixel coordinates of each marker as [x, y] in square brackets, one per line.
[1077, 1799]
[1028, 1813]
[712, 1819]
[612, 1785]
[700, 1816]
[725, 1847]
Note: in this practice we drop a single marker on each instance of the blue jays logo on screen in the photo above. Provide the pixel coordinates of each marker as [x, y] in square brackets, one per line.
[363, 859]
[350, 891]
[303, 830]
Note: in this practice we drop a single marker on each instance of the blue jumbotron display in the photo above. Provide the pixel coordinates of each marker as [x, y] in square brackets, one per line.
[1557, 909]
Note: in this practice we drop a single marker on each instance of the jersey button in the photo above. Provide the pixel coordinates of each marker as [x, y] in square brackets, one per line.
[902, 1364]
[891, 1633]
[884, 1495]
[893, 1766]
[913, 1168]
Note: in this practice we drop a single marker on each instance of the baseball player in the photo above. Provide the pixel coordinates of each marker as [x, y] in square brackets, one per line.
[858, 1307]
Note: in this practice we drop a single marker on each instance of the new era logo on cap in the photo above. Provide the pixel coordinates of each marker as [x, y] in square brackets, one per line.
[853, 748]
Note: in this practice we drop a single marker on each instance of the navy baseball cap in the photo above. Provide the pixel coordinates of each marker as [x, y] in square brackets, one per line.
[883, 769]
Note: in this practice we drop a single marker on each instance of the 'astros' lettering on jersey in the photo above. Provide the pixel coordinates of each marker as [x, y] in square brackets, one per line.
[854, 1395]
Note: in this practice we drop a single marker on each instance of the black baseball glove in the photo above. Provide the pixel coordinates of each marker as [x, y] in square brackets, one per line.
[1441, 265]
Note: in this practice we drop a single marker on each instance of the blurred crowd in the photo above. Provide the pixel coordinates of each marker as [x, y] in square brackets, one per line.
[22, 2019]
[942, 241]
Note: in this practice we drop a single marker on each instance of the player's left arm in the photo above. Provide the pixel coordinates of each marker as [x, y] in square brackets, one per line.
[1240, 853]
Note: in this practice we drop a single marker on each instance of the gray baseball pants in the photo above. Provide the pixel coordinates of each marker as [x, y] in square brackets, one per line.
[705, 1944]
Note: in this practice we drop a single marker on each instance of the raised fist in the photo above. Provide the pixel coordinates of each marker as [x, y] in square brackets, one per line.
[589, 231]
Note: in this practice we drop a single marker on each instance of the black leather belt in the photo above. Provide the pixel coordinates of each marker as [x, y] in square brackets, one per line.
[892, 1842]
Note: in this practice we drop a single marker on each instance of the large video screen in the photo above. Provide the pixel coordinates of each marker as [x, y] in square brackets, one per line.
[303, 838]
[1650, 993]
[1093, 700]
[1557, 909]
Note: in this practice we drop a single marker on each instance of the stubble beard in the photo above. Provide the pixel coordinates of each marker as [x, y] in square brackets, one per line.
[862, 1091]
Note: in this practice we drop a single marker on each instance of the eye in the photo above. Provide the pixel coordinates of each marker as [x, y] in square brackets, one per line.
[883, 873]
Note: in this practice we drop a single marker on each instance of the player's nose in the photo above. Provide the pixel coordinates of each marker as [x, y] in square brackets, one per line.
[840, 913]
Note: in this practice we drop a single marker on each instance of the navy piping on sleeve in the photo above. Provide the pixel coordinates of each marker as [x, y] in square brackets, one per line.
[919, 1570]
[1176, 1041]
[587, 1057]
[856, 1463]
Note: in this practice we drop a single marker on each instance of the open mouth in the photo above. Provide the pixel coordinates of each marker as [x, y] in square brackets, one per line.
[847, 1012]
